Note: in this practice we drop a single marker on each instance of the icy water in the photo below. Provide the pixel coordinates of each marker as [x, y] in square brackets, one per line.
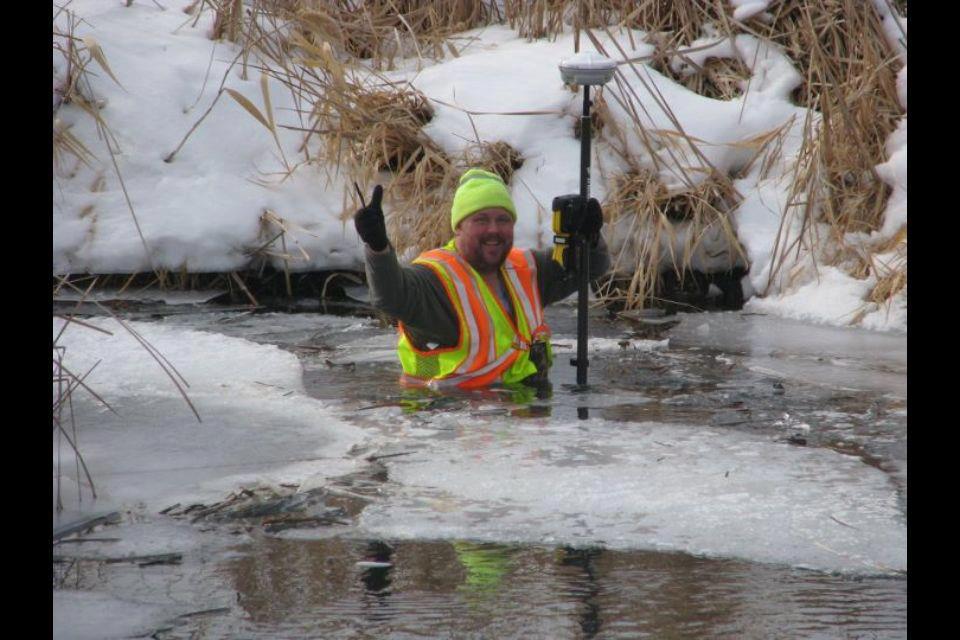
[740, 476]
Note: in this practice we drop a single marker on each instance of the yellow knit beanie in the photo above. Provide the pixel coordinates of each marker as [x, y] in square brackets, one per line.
[478, 190]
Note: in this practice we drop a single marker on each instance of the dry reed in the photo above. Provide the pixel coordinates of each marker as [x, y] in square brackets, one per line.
[850, 71]
[656, 230]
[375, 30]
[850, 74]
[718, 78]
[369, 126]
[418, 217]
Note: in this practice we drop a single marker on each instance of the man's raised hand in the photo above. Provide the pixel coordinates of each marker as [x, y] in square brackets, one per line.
[370, 223]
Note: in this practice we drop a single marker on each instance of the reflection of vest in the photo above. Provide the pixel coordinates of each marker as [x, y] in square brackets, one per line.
[492, 348]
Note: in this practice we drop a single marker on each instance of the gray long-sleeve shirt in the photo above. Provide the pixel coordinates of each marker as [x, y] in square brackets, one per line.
[415, 296]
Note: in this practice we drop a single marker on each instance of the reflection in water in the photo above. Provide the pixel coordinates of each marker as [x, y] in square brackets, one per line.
[324, 588]
[681, 595]
[589, 618]
[376, 579]
[377, 565]
[486, 566]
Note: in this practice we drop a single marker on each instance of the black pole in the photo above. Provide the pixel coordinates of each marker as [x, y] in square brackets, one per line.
[581, 244]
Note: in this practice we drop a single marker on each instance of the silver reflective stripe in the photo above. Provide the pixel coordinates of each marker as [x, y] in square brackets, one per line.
[522, 297]
[492, 344]
[531, 308]
[467, 314]
[453, 380]
[537, 306]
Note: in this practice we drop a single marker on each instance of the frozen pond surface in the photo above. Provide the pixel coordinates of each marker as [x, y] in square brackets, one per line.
[740, 476]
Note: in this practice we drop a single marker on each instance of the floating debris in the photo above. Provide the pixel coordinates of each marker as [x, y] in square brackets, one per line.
[647, 324]
[142, 561]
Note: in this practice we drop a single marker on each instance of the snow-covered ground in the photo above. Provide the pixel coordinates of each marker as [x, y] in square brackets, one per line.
[201, 212]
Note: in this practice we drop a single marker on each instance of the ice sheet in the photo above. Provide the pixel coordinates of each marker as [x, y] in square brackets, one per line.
[257, 423]
[840, 357]
[645, 486]
[91, 615]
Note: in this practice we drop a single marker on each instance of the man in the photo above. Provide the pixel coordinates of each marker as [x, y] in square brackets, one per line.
[471, 313]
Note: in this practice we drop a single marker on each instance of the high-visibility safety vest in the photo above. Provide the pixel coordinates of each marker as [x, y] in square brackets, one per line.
[492, 347]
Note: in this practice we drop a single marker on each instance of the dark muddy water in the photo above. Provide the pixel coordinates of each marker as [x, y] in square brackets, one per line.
[348, 588]
[344, 585]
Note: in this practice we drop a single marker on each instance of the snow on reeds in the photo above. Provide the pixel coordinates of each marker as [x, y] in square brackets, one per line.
[654, 230]
[73, 59]
[671, 209]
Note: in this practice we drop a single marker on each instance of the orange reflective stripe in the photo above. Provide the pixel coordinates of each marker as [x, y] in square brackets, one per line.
[487, 350]
[483, 377]
[482, 325]
[488, 378]
[478, 322]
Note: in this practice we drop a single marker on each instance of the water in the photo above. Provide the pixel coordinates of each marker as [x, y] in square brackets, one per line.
[273, 587]
[769, 446]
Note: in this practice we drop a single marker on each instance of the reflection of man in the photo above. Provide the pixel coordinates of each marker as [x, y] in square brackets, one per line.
[589, 616]
[485, 565]
[471, 313]
[376, 576]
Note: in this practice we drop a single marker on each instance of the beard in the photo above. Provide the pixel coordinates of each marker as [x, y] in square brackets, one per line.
[488, 253]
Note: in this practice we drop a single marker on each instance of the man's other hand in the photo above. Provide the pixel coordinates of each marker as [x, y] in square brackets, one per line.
[592, 220]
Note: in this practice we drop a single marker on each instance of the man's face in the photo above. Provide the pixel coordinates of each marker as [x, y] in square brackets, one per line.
[485, 238]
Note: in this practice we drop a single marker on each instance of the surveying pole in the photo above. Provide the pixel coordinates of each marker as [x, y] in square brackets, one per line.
[586, 69]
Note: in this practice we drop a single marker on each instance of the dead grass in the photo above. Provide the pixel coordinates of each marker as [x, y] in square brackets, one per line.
[535, 19]
[849, 72]
[850, 78]
[497, 157]
[891, 282]
[418, 217]
[717, 78]
[72, 59]
[76, 55]
[369, 127]
[368, 131]
[657, 230]
[375, 30]
[382, 128]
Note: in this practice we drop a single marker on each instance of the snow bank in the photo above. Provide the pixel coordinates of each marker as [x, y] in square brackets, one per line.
[202, 211]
